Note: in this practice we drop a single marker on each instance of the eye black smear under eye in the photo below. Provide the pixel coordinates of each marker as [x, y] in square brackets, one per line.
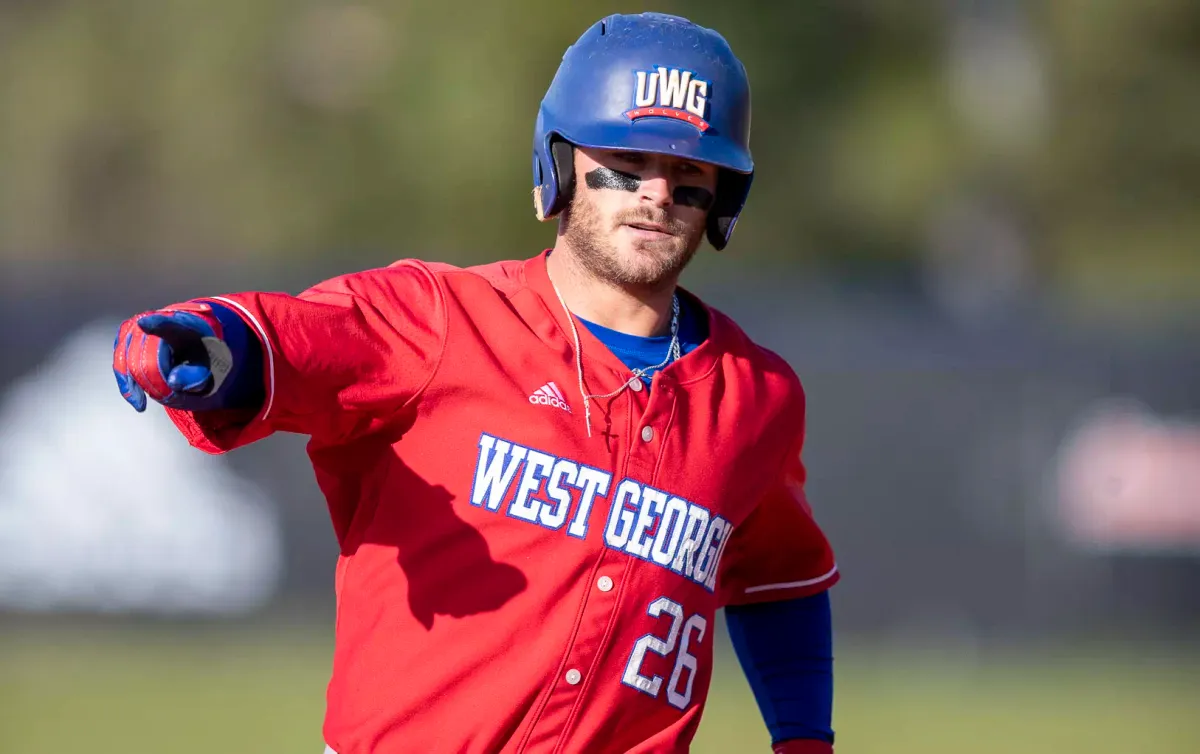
[617, 180]
[693, 196]
[607, 178]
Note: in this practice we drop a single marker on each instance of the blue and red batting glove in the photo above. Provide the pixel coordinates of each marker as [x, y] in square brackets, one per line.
[195, 356]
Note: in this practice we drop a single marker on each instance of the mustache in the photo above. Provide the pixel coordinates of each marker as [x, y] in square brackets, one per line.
[674, 226]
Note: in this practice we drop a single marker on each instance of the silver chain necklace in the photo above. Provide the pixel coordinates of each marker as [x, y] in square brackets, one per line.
[673, 352]
[672, 349]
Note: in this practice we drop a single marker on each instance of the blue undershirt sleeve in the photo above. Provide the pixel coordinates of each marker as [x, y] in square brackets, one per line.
[786, 651]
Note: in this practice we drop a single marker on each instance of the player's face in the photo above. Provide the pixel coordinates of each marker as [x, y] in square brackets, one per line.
[637, 218]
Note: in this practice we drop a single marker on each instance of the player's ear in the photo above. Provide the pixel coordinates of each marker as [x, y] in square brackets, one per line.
[538, 209]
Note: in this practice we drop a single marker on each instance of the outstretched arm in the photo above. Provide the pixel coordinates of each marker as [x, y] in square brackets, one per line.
[337, 361]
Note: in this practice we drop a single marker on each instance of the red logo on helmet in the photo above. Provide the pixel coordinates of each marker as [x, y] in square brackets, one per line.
[670, 93]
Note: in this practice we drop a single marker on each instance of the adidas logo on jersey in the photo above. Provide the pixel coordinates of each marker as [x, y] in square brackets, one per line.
[549, 395]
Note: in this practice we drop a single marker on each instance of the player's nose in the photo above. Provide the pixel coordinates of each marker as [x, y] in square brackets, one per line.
[657, 188]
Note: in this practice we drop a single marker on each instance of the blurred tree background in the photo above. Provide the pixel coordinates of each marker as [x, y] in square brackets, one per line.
[990, 150]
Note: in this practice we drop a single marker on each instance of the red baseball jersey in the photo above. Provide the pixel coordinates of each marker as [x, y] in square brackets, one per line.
[506, 582]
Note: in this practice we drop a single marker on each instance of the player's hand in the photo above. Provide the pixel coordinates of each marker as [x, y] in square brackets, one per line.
[194, 356]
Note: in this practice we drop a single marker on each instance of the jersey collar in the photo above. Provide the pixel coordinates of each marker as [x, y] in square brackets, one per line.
[690, 367]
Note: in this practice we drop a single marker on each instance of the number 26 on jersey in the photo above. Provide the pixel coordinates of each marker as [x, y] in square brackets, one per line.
[681, 632]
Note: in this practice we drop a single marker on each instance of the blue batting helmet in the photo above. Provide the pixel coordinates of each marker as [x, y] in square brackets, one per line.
[648, 83]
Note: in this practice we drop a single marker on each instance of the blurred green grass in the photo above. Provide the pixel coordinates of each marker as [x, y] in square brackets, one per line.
[227, 690]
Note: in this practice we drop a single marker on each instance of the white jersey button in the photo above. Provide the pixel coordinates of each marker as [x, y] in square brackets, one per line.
[647, 433]
[574, 677]
[637, 386]
[604, 584]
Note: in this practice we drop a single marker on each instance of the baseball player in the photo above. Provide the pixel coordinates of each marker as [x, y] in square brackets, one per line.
[545, 475]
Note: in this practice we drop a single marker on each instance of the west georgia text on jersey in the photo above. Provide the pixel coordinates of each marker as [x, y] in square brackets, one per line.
[655, 526]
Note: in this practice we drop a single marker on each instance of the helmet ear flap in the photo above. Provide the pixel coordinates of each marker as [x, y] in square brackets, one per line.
[563, 154]
[732, 190]
[552, 193]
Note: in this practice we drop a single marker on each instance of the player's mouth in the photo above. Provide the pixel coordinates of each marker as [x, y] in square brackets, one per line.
[646, 229]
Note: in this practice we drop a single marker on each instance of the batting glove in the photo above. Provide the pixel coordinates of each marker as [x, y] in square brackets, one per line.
[196, 356]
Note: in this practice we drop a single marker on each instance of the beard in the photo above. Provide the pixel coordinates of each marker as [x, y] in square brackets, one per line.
[651, 263]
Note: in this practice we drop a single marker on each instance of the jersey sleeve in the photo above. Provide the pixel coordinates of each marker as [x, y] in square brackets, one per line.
[779, 552]
[342, 359]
